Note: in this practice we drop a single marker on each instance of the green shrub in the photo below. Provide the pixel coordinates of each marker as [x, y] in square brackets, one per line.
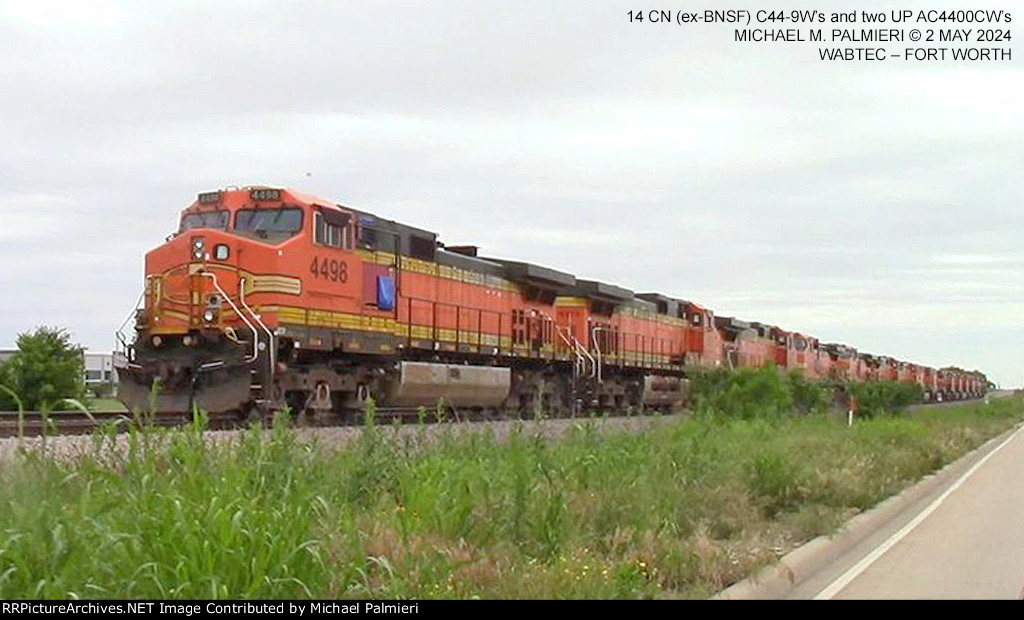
[745, 394]
[46, 369]
[808, 396]
[774, 479]
[750, 393]
[102, 390]
[876, 398]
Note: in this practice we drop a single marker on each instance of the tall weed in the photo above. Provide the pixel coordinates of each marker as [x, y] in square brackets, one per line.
[681, 509]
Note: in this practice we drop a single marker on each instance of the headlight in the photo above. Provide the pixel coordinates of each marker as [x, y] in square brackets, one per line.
[209, 315]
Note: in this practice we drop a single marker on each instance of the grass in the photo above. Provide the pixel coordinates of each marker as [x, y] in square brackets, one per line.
[680, 510]
[106, 404]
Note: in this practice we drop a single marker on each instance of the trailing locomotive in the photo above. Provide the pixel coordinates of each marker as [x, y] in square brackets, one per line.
[268, 297]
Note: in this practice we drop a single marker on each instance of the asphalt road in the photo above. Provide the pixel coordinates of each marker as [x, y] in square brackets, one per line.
[965, 540]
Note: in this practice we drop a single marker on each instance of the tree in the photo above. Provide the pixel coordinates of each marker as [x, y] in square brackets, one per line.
[102, 390]
[7, 402]
[46, 368]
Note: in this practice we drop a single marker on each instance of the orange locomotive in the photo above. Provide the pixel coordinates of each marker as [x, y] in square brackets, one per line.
[269, 297]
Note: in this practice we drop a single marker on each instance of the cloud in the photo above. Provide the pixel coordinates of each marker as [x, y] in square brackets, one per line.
[872, 204]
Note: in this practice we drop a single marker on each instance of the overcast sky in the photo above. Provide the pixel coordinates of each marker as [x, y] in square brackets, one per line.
[876, 204]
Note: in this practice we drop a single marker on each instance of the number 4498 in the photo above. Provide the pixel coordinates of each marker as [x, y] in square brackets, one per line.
[329, 269]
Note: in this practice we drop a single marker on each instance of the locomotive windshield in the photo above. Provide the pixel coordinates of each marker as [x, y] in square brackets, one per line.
[209, 219]
[269, 223]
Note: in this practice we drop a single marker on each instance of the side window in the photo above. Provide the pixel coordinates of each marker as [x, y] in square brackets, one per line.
[421, 247]
[347, 235]
[319, 229]
[332, 229]
[367, 238]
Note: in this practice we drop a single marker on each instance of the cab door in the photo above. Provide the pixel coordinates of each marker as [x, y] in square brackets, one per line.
[334, 270]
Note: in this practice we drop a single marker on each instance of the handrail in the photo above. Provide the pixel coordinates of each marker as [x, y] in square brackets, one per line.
[119, 334]
[593, 364]
[570, 345]
[255, 334]
[549, 320]
[408, 324]
[270, 335]
[582, 355]
[597, 347]
[458, 309]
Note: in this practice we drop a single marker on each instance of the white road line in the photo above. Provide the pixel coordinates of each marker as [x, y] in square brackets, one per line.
[836, 586]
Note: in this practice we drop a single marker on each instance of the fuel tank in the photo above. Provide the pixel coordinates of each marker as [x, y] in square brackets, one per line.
[425, 383]
[663, 390]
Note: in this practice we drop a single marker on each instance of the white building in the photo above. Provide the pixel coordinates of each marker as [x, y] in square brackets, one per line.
[99, 367]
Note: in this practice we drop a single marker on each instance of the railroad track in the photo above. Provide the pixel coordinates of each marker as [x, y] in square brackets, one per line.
[79, 423]
[33, 423]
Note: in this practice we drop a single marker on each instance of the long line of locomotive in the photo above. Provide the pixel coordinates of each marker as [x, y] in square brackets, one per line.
[269, 297]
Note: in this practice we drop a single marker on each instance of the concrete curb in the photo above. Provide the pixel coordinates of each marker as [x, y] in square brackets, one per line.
[800, 564]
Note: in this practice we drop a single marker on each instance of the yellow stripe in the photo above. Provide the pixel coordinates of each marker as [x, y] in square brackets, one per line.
[174, 314]
[416, 265]
[386, 325]
[571, 302]
[272, 284]
[384, 258]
